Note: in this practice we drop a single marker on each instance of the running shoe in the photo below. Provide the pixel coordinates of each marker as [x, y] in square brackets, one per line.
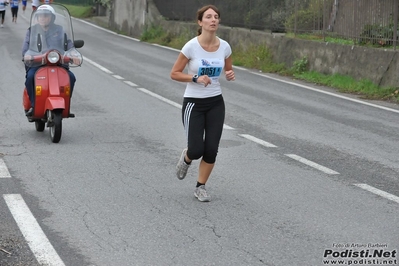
[201, 194]
[182, 167]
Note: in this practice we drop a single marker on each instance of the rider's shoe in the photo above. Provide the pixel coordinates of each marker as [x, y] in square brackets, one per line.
[29, 112]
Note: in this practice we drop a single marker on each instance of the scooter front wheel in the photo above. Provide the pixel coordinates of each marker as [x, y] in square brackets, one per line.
[40, 125]
[56, 128]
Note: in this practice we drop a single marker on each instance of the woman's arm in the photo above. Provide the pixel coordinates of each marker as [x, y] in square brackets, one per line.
[178, 75]
[177, 69]
[228, 69]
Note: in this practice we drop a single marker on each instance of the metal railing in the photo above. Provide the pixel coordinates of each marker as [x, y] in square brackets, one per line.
[372, 22]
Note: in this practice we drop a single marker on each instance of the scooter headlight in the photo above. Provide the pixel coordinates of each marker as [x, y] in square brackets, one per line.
[53, 57]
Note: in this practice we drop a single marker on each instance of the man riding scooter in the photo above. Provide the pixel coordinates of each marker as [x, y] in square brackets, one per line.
[52, 36]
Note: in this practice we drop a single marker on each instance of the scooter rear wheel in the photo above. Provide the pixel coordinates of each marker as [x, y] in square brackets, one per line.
[56, 128]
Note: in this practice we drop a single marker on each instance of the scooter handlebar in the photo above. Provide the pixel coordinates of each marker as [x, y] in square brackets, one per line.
[69, 58]
[34, 58]
[72, 60]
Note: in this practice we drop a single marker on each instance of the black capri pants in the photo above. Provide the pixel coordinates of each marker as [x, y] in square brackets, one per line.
[14, 12]
[203, 121]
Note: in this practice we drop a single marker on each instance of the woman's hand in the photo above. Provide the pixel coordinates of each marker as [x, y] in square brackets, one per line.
[230, 75]
[204, 80]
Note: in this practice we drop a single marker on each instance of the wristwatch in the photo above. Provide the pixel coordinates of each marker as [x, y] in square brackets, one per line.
[195, 78]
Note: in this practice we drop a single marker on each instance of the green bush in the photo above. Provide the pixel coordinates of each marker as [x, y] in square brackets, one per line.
[300, 66]
[304, 21]
[156, 34]
[309, 17]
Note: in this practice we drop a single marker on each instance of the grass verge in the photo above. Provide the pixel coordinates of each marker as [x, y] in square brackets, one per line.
[345, 84]
[80, 11]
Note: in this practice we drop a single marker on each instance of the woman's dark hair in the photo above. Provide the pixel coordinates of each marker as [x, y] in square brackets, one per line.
[200, 14]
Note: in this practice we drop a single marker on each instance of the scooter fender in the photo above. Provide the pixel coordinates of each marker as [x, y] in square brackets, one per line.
[53, 103]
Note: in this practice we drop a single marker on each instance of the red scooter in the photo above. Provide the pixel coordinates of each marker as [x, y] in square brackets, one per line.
[52, 90]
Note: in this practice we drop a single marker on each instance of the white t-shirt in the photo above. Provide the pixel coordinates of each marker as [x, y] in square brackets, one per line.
[2, 5]
[35, 2]
[202, 63]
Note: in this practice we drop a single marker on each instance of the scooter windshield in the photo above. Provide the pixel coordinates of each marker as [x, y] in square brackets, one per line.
[50, 29]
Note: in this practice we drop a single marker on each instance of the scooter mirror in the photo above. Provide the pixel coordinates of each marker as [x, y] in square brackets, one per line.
[78, 43]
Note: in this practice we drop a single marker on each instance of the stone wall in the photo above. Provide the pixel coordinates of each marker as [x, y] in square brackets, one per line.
[130, 16]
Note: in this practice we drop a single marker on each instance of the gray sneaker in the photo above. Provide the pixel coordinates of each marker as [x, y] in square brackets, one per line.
[201, 195]
[182, 167]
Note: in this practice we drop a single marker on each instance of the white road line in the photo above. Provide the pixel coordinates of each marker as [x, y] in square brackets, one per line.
[378, 192]
[4, 173]
[312, 164]
[95, 26]
[328, 93]
[159, 97]
[142, 89]
[109, 31]
[241, 68]
[259, 141]
[118, 77]
[30, 229]
[130, 83]
[166, 47]
[97, 65]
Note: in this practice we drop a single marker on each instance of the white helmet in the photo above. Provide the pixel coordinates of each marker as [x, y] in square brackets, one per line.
[46, 9]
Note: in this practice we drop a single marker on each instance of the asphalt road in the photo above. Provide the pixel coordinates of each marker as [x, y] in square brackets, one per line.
[304, 176]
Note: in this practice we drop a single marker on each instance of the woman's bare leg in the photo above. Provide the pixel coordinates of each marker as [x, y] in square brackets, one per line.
[204, 172]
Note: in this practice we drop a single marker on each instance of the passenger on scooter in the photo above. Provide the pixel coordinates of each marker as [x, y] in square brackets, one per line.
[52, 37]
